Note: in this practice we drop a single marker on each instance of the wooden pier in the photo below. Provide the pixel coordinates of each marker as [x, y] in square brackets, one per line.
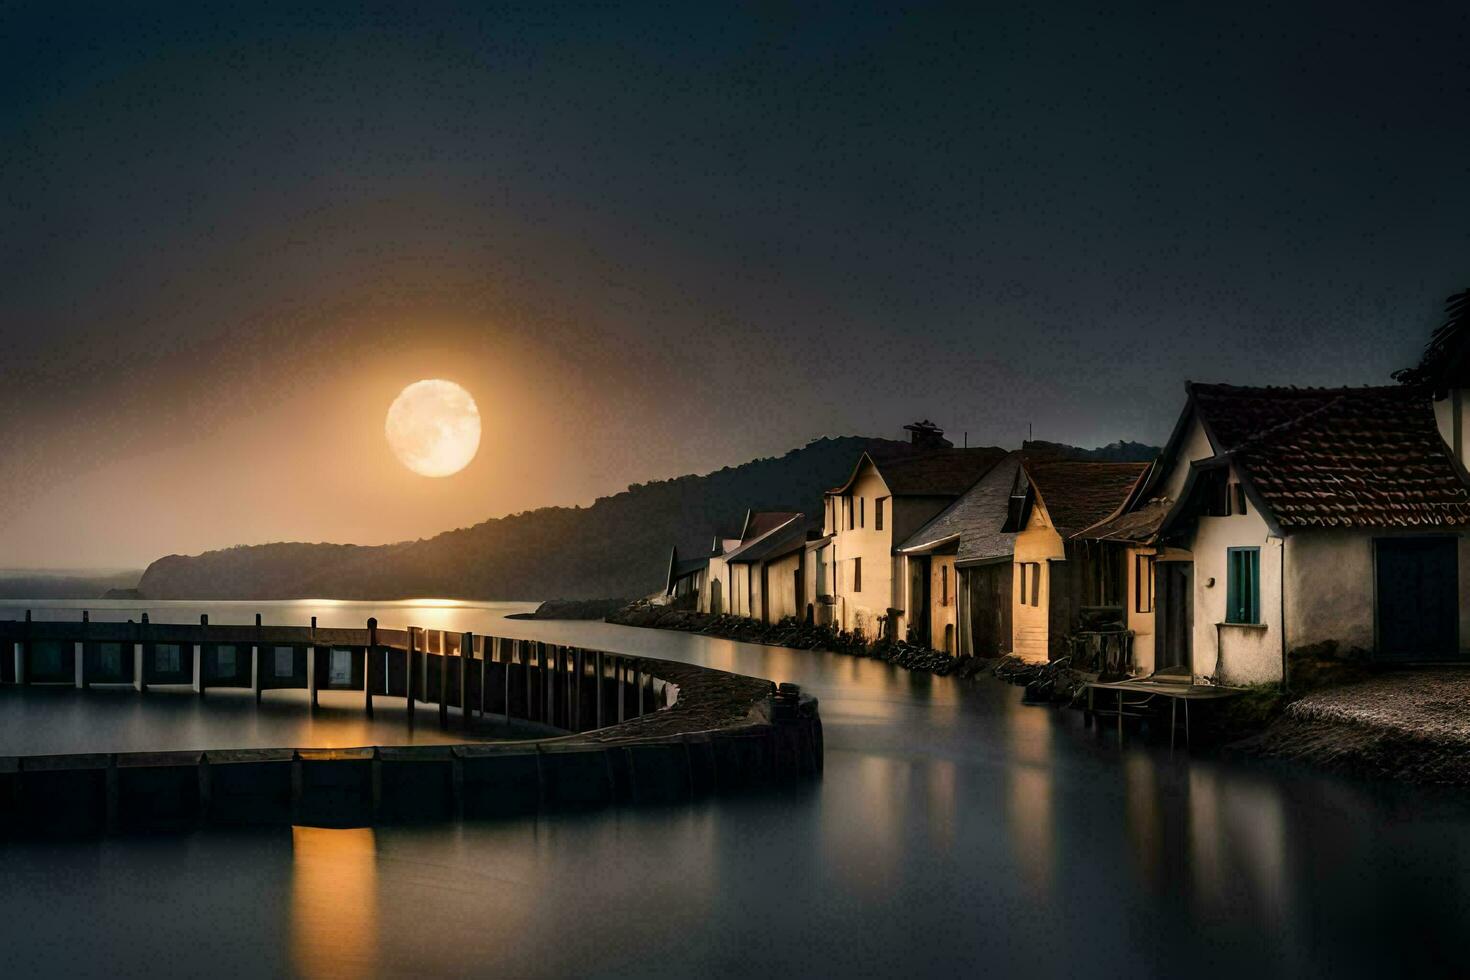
[636, 729]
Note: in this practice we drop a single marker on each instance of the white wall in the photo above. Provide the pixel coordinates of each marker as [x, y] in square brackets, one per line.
[859, 610]
[1235, 654]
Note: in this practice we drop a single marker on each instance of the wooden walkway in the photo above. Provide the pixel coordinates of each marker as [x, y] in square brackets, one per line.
[1143, 692]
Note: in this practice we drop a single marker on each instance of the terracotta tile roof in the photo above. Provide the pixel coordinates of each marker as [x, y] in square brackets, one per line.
[1078, 494]
[1340, 457]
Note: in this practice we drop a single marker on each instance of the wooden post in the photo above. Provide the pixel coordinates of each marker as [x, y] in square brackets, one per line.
[367, 667]
[311, 683]
[599, 670]
[529, 709]
[619, 669]
[466, 655]
[579, 670]
[443, 682]
[23, 653]
[199, 682]
[549, 707]
[638, 683]
[255, 661]
[140, 669]
[79, 651]
[408, 675]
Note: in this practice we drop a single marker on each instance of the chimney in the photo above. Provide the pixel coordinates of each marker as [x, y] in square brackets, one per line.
[927, 435]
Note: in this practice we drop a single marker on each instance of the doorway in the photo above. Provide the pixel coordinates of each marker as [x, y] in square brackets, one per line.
[1174, 642]
[1417, 587]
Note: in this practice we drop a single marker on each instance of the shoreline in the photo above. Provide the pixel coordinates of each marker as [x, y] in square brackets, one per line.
[1331, 728]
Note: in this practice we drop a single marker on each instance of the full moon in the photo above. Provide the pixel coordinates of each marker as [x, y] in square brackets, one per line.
[433, 427]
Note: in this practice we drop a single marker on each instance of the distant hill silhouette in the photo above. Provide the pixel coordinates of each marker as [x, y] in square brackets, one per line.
[619, 546]
[1113, 452]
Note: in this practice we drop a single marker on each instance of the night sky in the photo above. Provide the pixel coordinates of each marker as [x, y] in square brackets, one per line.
[660, 240]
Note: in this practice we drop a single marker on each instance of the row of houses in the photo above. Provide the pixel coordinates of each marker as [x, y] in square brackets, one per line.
[1274, 519]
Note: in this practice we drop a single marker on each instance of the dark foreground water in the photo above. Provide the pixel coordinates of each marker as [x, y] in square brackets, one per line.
[955, 833]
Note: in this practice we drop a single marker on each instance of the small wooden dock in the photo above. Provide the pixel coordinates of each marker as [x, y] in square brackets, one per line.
[1132, 696]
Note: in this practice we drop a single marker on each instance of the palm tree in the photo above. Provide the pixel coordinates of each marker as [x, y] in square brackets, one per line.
[1447, 355]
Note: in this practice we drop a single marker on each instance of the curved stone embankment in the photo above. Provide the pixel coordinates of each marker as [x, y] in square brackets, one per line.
[639, 730]
[1411, 727]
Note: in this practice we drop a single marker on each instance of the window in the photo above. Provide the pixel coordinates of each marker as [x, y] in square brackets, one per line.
[862, 511]
[850, 522]
[878, 513]
[1243, 589]
[857, 575]
[224, 661]
[111, 657]
[1030, 583]
[1237, 498]
[285, 661]
[166, 658]
[944, 585]
[1143, 583]
[341, 667]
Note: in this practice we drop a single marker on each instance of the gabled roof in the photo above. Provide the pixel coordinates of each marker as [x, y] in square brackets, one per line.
[1078, 494]
[935, 473]
[1348, 457]
[736, 556]
[760, 522]
[784, 540]
[973, 522]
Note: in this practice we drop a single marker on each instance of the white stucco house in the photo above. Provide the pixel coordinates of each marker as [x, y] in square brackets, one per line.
[1278, 519]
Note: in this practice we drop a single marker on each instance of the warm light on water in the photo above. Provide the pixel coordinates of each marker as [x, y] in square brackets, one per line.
[334, 902]
[955, 829]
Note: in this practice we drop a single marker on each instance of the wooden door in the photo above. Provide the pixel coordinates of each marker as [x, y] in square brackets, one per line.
[988, 598]
[1417, 588]
[1174, 639]
[919, 601]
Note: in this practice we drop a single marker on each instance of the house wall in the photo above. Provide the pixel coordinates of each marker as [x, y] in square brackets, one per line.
[942, 607]
[1195, 445]
[1445, 410]
[1040, 543]
[859, 610]
[780, 581]
[1330, 590]
[1231, 653]
[715, 573]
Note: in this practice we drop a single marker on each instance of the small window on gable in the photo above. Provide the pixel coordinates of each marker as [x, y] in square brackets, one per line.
[944, 585]
[862, 512]
[878, 513]
[857, 575]
[1030, 583]
[850, 522]
[1237, 498]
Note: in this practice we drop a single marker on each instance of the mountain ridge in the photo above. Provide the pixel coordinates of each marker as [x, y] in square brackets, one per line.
[617, 546]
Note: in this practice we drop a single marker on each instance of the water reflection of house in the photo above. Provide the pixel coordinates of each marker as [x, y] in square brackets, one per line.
[1278, 518]
[957, 569]
[885, 500]
[1058, 578]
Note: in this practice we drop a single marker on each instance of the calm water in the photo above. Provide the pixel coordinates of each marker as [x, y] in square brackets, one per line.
[955, 833]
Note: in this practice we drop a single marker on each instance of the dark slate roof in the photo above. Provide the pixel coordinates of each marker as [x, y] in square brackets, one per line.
[688, 566]
[1342, 457]
[784, 540]
[761, 522]
[1078, 494]
[976, 518]
[938, 473]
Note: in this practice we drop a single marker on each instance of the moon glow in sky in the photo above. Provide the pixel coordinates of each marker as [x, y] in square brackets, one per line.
[433, 427]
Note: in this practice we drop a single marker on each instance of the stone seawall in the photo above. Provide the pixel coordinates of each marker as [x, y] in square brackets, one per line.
[671, 732]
